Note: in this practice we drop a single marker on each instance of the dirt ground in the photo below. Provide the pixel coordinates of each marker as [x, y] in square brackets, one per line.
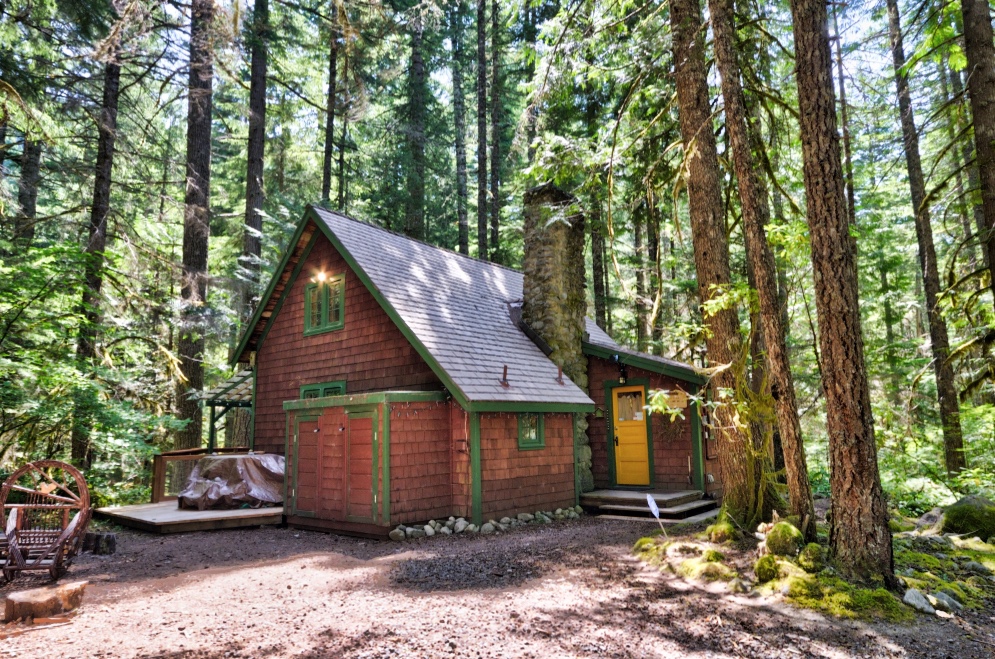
[569, 589]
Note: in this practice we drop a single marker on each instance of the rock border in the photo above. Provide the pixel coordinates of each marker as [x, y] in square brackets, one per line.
[460, 526]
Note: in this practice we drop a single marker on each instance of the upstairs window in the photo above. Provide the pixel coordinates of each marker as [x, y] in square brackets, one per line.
[324, 305]
[531, 431]
[323, 389]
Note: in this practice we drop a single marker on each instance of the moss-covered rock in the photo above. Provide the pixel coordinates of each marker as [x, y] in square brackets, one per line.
[812, 557]
[712, 556]
[721, 531]
[699, 568]
[766, 569]
[784, 539]
[972, 515]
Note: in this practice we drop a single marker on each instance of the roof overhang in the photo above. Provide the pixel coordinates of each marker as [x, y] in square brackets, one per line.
[647, 363]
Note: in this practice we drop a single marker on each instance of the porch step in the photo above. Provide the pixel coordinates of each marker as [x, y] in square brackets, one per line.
[679, 511]
[637, 498]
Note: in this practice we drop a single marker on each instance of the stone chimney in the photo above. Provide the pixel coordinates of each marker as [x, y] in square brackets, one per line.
[555, 305]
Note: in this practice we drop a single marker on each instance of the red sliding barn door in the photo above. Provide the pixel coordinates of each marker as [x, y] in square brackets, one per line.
[359, 467]
[306, 481]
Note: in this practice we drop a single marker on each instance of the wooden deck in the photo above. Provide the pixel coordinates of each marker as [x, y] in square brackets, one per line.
[686, 505]
[166, 517]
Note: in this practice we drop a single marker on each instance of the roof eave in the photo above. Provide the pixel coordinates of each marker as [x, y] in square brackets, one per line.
[687, 374]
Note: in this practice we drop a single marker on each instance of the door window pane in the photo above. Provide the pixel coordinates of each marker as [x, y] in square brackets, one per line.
[630, 406]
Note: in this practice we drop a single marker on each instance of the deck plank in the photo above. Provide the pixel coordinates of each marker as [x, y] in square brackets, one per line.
[167, 517]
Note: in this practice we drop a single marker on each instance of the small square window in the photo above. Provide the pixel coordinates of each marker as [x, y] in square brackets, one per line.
[531, 431]
[324, 305]
[323, 389]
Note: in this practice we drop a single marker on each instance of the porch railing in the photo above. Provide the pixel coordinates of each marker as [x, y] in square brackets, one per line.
[171, 469]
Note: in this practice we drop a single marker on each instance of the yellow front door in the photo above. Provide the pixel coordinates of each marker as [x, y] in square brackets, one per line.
[632, 460]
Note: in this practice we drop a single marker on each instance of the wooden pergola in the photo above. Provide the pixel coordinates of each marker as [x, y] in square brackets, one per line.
[235, 392]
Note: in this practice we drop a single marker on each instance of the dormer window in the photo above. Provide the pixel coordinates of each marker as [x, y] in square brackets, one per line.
[324, 304]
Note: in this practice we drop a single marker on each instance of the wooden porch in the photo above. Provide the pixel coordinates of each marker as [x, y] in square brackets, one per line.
[167, 517]
[683, 506]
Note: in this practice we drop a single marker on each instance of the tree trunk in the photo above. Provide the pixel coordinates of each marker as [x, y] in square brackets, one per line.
[643, 333]
[333, 78]
[851, 204]
[196, 225]
[598, 264]
[482, 129]
[860, 540]
[888, 316]
[254, 192]
[417, 99]
[529, 33]
[711, 251]
[963, 195]
[343, 145]
[495, 131]
[980, 50]
[973, 177]
[27, 192]
[459, 116]
[756, 214]
[953, 438]
[86, 340]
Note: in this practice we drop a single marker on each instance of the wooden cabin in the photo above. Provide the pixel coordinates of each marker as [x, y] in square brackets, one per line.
[401, 385]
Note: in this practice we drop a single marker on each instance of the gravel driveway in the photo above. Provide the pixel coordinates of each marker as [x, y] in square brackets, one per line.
[569, 589]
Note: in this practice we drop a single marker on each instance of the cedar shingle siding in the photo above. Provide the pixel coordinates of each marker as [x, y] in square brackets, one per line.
[369, 352]
[514, 481]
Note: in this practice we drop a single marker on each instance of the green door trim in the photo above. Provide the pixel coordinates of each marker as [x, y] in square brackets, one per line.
[610, 386]
[476, 502]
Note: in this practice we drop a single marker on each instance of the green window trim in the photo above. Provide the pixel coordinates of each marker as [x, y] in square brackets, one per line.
[324, 305]
[322, 389]
[531, 431]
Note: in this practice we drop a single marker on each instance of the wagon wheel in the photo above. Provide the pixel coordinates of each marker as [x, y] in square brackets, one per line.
[46, 483]
[46, 505]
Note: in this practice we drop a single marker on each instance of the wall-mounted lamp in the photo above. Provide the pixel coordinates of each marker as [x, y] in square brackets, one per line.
[623, 371]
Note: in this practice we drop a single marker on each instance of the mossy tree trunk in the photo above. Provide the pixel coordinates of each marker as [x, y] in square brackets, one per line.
[742, 498]
[760, 257]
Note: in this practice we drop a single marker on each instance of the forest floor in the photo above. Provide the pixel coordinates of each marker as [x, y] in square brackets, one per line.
[568, 589]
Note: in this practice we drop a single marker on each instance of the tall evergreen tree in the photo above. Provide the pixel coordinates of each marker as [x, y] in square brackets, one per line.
[946, 392]
[979, 46]
[254, 191]
[711, 254]
[482, 129]
[196, 224]
[756, 214]
[86, 342]
[456, 34]
[860, 540]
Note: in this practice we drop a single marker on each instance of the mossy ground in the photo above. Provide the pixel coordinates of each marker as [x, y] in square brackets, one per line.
[929, 563]
[834, 596]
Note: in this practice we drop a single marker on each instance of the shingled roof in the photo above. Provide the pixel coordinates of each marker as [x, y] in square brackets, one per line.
[454, 309]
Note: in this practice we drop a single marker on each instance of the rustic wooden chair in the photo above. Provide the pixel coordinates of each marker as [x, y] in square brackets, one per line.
[46, 505]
